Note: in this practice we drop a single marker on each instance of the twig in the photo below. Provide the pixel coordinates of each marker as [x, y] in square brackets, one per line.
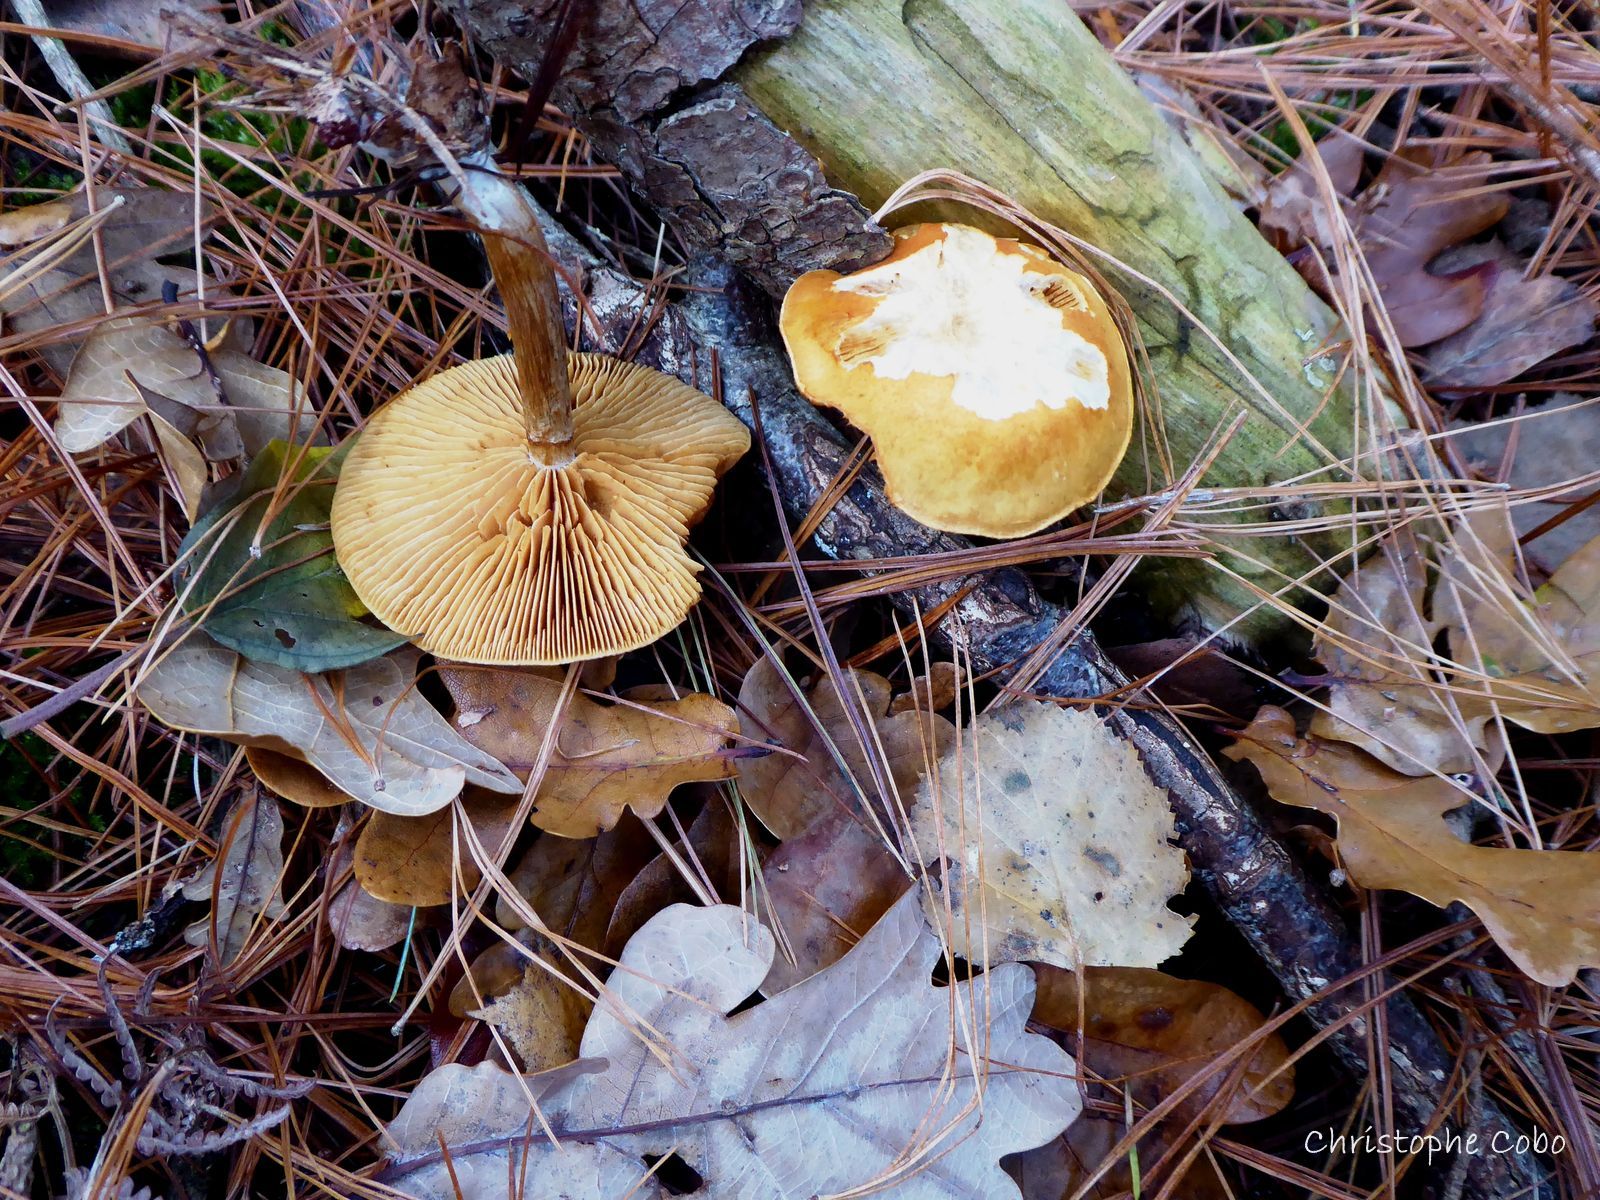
[69, 75]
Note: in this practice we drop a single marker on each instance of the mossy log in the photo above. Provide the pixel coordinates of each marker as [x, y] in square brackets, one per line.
[1018, 94]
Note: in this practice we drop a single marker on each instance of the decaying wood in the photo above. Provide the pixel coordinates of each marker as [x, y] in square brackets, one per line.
[1019, 95]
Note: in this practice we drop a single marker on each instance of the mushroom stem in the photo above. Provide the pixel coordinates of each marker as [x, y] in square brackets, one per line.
[521, 263]
[533, 313]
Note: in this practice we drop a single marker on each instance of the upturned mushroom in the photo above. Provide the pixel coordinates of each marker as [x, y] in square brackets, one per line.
[531, 509]
[993, 380]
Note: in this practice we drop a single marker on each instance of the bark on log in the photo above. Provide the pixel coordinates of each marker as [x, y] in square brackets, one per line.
[1017, 93]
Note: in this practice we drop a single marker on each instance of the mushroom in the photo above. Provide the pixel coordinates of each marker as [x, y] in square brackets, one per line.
[531, 509]
[992, 380]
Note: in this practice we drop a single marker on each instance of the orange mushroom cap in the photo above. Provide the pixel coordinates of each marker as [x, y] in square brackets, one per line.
[455, 532]
[993, 380]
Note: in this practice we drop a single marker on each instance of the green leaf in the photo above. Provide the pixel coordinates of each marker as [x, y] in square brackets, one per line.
[274, 592]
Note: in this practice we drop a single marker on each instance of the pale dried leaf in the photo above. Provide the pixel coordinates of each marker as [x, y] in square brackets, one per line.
[148, 26]
[1541, 906]
[855, 1060]
[1556, 444]
[362, 922]
[185, 464]
[53, 298]
[486, 1105]
[1056, 844]
[1536, 657]
[127, 358]
[1297, 206]
[367, 729]
[245, 883]
[541, 1017]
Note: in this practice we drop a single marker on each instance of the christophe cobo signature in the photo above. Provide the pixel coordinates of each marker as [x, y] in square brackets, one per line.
[1427, 1145]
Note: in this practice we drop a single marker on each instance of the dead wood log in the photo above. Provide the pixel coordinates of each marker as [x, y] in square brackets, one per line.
[1020, 95]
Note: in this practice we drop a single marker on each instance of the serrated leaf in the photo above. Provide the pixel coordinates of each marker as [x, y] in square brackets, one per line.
[289, 605]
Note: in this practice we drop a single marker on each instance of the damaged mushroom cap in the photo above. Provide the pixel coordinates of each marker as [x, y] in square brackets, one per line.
[993, 380]
[456, 532]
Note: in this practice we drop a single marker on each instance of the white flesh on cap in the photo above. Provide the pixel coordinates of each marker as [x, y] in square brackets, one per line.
[960, 307]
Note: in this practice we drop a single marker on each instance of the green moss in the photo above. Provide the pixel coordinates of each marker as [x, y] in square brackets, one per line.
[21, 862]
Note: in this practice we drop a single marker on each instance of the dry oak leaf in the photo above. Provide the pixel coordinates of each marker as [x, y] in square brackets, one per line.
[607, 758]
[487, 1106]
[367, 729]
[831, 773]
[710, 851]
[1417, 210]
[827, 888]
[1377, 647]
[1404, 219]
[1062, 1170]
[1296, 206]
[1157, 1032]
[933, 691]
[541, 1015]
[1537, 657]
[245, 884]
[574, 884]
[1056, 844]
[846, 1081]
[1554, 446]
[419, 861]
[1541, 906]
